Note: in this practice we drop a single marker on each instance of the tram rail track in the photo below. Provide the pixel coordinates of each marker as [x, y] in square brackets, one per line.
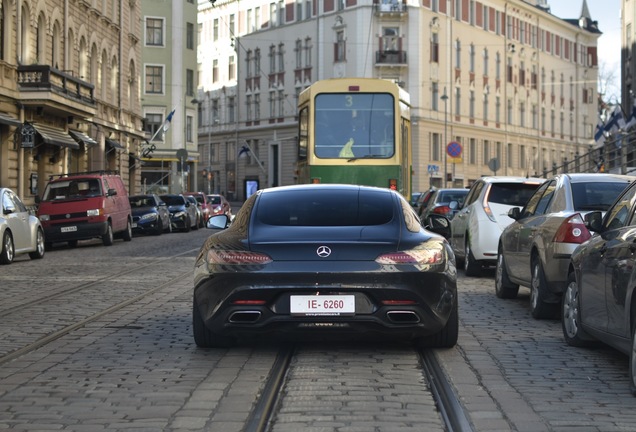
[453, 415]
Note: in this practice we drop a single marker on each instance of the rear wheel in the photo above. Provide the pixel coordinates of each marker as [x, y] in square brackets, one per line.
[203, 337]
[632, 363]
[447, 337]
[196, 223]
[127, 235]
[573, 334]
[8, 249]
[504, 288]
[159, 230]
[39, 245]
[539, 306]
[472, 267]
[188, 225]
[107, 238]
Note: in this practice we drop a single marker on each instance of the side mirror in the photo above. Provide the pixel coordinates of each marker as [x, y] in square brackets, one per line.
[112, 192]
[218, 222]
[594, 221]
[9, 209]
[453, 205]
[514, 213]
[438, 224]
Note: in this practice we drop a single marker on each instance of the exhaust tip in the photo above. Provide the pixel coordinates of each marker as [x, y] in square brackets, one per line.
[241, 317]
[403, 317]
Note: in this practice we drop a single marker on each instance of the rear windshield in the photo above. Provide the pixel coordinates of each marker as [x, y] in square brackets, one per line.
[214, 200]
[595, 195]
[325, 208]
[173, 199]
[141, 201]
[512, 194]
[448, 196]
[72, 189]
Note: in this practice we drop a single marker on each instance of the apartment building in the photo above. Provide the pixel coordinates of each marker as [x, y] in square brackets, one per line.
[168, 96]
[514, 85]
[69, 91]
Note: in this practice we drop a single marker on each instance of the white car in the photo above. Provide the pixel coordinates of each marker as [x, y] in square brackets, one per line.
[476, 227]
[20, 231]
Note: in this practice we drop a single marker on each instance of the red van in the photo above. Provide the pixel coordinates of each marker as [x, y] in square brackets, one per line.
[83, 206]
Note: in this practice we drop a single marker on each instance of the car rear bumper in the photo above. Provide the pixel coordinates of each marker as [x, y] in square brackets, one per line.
[407, 308]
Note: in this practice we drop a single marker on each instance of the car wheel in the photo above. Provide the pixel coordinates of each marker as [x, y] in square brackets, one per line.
[127, 235]
[107, 238]
[196, 223]
[539, 307]
[472, 267]
[447, 337]
[188, 225]
[504, 288]
[8, 249]
[39, 245]
[203, 337]
[159, 230]
[573, 334]
[632, 363]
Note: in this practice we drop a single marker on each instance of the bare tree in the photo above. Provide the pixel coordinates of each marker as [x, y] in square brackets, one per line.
[609, 88]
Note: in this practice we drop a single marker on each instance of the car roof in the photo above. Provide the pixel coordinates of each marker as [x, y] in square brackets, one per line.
[511, 179]
[323, 186]
[596, 177]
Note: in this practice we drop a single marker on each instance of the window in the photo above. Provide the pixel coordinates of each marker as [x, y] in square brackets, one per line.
[189, 82]
[471, 53]
[497, 109]
[231, 72]
[230, 109]
[472, 151]
[434, 48]
[436, 145]
[308, 52]
[498, 66]
[522, 114]
[299, 53]
[458, 101]
[390, 39]
[471, 103]
[435, 96]
[340, 47]
[153, 123]
[189, 36]
[486, 153]
[154, 79]
[281, 58]
[281, 12]
[272, 59]
[215, 71]
[154, 31]
[231, 25]
[272, 14]
[248, 107]
[215, 35]
[522, 156]
[485, 61]
[189, 127]
[485, 106]
[458, 54]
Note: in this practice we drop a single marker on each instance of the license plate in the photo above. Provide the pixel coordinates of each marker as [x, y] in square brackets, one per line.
[69, 229]
[134, 225]
[322, 305]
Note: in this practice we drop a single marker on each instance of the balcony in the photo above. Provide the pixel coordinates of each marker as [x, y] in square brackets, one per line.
[44, 85]
[389, 7]
[390, 58]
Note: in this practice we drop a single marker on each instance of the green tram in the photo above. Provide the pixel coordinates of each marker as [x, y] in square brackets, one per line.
[355, 131]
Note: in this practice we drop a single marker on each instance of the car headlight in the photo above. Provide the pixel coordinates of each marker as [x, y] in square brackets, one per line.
[148, 217]
[45, 218]
[179, 214]
[93, 212]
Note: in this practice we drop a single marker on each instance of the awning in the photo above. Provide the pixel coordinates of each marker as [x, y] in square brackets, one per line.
[55, 136]
[114, 144]
[8, 120]
[82, 138]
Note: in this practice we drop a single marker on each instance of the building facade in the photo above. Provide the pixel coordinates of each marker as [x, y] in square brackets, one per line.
[168, 96]
[69, 91]
[514, 85]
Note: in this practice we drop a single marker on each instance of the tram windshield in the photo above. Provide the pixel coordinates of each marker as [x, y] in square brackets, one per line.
[358, 125]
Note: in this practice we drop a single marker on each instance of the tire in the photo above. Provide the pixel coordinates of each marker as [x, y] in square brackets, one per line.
[504, 288]
[188, 225]
[632, 363]
[38, 253]
[107, 238]
[127, 235]
[196, 224]
[159, 230]
[573, 334]
[7, 253]
[539, 307]
[472, 267]
[447, 337]
[203, 337]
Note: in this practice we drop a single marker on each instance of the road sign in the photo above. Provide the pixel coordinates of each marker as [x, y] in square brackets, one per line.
[433, 169]
[454, 149]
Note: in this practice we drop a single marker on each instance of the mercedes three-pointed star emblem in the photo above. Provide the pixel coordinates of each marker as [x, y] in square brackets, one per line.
[323, 251]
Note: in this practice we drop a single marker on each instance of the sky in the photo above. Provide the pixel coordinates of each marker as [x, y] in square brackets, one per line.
[607, 13]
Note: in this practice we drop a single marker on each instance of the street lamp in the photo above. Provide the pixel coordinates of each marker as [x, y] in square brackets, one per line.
[444, 97]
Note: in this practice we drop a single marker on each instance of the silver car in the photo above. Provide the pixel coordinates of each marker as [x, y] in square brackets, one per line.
[534, 251]
[20, 231]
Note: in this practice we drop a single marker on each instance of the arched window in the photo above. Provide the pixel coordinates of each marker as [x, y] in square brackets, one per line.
[40, 40]
[56, 58]
[114, 78]
[25, 26]
[103, 77]
[83, 60]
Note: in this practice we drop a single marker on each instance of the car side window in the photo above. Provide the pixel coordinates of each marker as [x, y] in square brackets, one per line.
[546, 198]
[531, 206]
[621, 212]
[474, 193]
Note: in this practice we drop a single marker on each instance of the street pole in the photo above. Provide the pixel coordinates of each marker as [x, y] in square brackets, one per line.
[445, 146]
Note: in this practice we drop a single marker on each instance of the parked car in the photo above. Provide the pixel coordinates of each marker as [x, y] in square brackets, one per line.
[204, 204]
[86, 205]
[440, 202]
[480, 220]
[599, 303]
[183, 214]
[423, 199]
[325, 260]
[414, 198]
[534, 250]
[150, 214]
[20, 231]
[219, 205]
[199, 213]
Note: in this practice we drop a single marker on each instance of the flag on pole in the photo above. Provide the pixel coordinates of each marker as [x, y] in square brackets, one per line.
[166, 123]
[244, 150]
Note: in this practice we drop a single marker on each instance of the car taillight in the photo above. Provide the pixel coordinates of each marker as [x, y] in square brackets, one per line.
[572, 230]
[443, 210]
[233, 257]
[487, 207]
[413, 256]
